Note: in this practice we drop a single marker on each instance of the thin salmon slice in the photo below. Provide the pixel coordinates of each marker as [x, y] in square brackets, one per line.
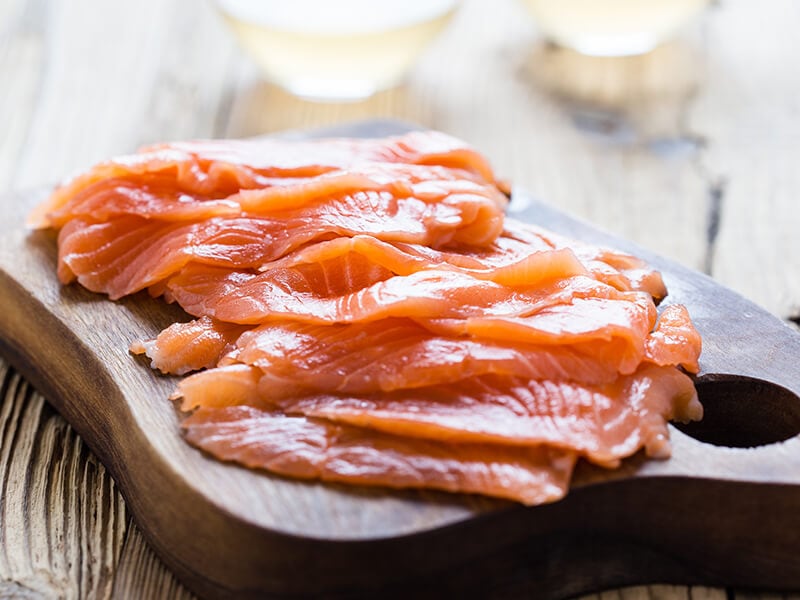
[429, 183]
[603, 423]
[129, 253]
[675, 341]
[184, 169]
[508, 260]
[565, 316]
[310, 295]
[396, 354]
[518, 270]
[220, 168]
[230, 385]
[618, 269]
[148, 196]
[185, 347]
[374, 356]
[157, 196]
[390, 354]
[319, 450]
[400, 353]
[282, 157]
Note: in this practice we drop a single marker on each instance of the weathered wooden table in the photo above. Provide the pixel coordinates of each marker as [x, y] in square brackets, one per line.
[692, 151]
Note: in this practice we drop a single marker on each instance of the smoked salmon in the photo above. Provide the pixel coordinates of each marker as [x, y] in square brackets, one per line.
[220, 168]
[310, 294]
[604, 422]
[185, 347]
[375, 356]
[156, 196]
[366, 313]
[317, 449]
[128, 253]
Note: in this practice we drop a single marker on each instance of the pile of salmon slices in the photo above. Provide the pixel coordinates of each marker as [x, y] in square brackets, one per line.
[366, 313]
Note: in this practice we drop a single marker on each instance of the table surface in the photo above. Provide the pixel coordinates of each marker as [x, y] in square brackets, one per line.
[692, 151]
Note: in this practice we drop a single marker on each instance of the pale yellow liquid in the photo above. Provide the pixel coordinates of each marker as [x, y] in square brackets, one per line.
[344, 60]
[612, 27]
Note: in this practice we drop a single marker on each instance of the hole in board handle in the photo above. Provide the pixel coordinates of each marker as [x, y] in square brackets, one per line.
[743, 412]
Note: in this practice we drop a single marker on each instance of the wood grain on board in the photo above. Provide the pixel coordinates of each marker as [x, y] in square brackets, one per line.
[690, 151]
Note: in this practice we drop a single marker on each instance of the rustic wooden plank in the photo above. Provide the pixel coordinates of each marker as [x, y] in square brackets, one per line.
[747, 112]
[140, 574]
[62, 519]
[706, 593]
[660, 592]
[22, 46]
[120, 75]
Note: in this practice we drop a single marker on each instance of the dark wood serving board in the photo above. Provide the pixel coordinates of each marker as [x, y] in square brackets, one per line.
[722, 511]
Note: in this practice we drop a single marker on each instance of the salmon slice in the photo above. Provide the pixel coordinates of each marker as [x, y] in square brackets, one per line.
[223, 167]
[129, 253]
[570, 312]
[611, 265]
[576, 309]
[150, 196]
[603, 423]
[229, 385]
[400, 354]
[564, 316]
[618, 269]
[154, 195]
[675, 341]
[282, 157]
[507, 261]
[429, 183]
[319, 450]
[292, 359]
[184, 169]
[185, 347]
[314, 294]
[296, 358]
[521, 270]
[374, 356]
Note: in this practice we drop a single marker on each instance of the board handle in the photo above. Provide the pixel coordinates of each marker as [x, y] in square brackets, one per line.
[744, 412]
[749, 433]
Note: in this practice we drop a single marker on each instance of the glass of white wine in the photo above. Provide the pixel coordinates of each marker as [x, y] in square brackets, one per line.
[336, 49]
[612, 27]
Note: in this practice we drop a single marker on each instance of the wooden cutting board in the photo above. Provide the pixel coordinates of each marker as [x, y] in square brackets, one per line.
[724, 510]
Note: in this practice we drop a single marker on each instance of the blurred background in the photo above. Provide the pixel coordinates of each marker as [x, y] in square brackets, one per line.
[674, 123]
[701, 133]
